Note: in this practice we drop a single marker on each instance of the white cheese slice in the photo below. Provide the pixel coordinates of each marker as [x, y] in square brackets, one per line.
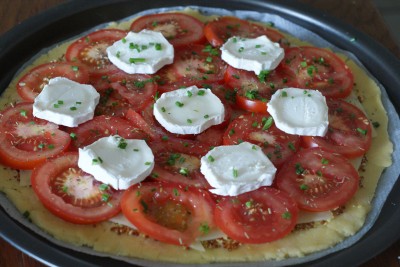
[299, 111]
[252, 54]
[144, 52]
[189, 111]
[66, 102]
[237, 169]
[117, 161]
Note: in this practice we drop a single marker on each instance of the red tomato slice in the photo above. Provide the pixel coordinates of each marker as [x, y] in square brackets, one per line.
[256, 217]
[318, 180]
[349, 132]
[179, 29]
[102, 126]
[73, 195]
[138, 121]
[222, 28]
[252, 91]
[90, 50]
[193, 65]
[169, 213]
[32, 83]
[178, 161]
[317, 68]
[259, 129]
[26, 141]
[120, 92]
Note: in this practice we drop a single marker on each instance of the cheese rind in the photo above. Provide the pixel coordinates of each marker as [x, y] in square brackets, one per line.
[252, 54]
[117, 161]
[144, 52]
[66, 102]
[237, 169]
[189, 111]
[299, 111]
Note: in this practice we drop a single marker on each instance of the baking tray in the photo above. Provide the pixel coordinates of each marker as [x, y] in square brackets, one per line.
[74, 17]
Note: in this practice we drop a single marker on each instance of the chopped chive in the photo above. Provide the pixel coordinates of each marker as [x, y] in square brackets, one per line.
[73, 108]
[75, 68]
[201, 92]
[179, 104]
[189, 121]
[206, 116]
[211, 158]
[235, 173]
[362, 131]
[267, 123]
[324, 161]
[189, 94]
[72, 135]
[136, 60]
[147, 163]
[184, 171]
[158, 46]
[23, 113]
[163, 109]
[303, 187]
[287, 215]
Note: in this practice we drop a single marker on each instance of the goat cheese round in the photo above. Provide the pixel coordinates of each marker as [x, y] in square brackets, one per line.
[117, 161]
[299, 111]
[189, 111]
[144, 52]
[66, 102]
[237, 169]
[252, 54]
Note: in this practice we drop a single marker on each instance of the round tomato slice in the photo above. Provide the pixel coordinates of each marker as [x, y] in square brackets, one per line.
[179, 29]
[32, 83]
[178, 161]
[26, 141]
[169, 213]
[318, 180]
[73, 195]
[222, 28]
[102, 126]
[317, 68]
[349, 131]
[260, 129]
[252, 91]
[255, 217]
[193, 65]
[90, 50]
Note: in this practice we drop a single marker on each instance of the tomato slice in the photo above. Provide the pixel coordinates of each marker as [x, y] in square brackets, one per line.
[178, 161]
[349, 132]
[179, 29]
[102, 126]
[32, 83]
[318, 180]
[256, 217]
[120, 91]
[90, 50]
[27, 141]
[252, 91]
[193, 65]
[222, 28]
[169, 213]
[73, 195]
[317, 68]
[259, 129]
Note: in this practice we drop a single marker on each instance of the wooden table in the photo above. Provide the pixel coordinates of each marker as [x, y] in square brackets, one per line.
[359, 13]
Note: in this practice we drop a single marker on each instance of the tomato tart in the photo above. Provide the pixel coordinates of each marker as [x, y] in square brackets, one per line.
[320, 193]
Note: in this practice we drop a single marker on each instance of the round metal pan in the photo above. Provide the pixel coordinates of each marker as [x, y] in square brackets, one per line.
[74, 17]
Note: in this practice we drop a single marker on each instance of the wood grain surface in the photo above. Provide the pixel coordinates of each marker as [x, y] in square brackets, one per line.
[359, 13]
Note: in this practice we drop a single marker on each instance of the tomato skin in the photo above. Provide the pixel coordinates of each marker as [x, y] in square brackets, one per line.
[256, 217]
[32, 83]
[144, 204]
[276, 144]
[198, 65]
[178, 161]
[43, 183]
[349, 132]
[90, 50]
[102, 126]
[179, 29]
[222, 28]
[318, 180]
[317, 68]
[27, 141]
[252, 91]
